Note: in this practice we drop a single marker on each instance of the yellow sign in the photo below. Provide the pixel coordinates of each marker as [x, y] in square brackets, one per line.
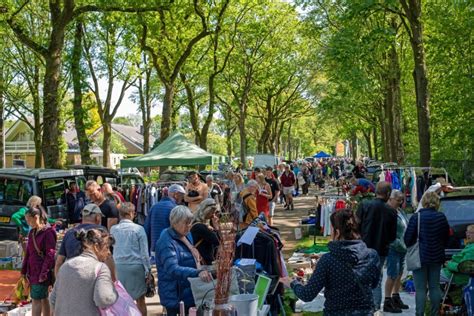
[4, 219]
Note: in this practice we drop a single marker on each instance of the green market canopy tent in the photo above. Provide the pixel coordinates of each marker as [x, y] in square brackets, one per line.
[176, 150]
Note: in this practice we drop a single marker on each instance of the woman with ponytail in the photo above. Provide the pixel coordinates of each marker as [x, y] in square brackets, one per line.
[84, 283]
[348, 272]
[38, 262]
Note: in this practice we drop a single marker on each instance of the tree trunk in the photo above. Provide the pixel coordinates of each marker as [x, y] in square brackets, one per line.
[398, 152]
[354, 145]
[38, 145]
[145, 105]
[376, 151]
[229, 142]
[368, 140]
[263, 142]
[107, 134]
[210, 114]
[413, 12]
[288, 142]
[2, 109]
[51, 109]
[383, 135]
[167, 112]
[37, 129]
[79, 115]
[193, 115]
[243, 140]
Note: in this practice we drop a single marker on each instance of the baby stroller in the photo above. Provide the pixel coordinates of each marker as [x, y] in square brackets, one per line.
[467, 308]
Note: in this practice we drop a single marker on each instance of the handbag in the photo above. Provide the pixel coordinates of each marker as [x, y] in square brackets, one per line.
[413, 252]
[124, 305]
[150, 285]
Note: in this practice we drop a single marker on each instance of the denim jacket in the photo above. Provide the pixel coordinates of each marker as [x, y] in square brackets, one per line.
[131, 245]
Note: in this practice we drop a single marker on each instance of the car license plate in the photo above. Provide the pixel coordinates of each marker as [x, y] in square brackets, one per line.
[4, 219]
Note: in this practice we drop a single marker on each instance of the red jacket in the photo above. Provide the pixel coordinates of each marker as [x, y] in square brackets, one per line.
[287, 180]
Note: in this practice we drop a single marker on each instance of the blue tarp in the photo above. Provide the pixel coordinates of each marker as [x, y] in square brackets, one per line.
[322, 154]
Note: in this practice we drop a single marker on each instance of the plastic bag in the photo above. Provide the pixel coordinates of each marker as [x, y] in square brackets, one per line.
[21, 291]
[123, 306]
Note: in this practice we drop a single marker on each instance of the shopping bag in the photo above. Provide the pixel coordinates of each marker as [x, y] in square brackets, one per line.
[413, 252]
[21, 292]
[124, 305]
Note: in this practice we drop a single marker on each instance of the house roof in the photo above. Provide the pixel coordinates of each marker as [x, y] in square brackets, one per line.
[129, 133]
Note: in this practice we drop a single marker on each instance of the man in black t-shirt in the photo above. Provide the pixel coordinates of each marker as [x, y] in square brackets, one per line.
[107, 207]
[275, 187]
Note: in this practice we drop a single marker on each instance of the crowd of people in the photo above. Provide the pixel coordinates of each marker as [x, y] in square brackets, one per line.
[181, 236]
[379, 234]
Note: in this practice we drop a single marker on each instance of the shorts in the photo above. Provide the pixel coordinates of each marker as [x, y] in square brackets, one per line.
[271, 207]
[288, 190]
[395, 264]
[39, 291]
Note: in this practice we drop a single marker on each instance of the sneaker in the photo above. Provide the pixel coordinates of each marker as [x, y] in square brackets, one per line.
[397, 301]
[389, 307]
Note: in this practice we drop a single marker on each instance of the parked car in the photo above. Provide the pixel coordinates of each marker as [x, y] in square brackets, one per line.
[126, 179]
[97, 173]
[112, 176]
[217, 175]
[458, 206]
[18, 185]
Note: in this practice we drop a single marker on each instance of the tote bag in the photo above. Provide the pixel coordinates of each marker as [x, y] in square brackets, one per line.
[124, 305]
[413, 252]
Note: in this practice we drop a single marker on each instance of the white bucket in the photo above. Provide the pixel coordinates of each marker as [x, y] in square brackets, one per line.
[245, 304]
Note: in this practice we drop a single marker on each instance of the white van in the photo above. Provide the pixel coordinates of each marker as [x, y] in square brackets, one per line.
[265, 160]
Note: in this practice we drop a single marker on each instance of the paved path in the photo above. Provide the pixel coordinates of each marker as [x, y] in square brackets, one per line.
[287, 221]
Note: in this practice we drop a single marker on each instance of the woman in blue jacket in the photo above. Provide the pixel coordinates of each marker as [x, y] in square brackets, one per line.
[177, 260]
[348, 272]
[434, 235]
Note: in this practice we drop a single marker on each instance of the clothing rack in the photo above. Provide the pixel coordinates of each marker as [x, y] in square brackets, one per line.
[322, 199]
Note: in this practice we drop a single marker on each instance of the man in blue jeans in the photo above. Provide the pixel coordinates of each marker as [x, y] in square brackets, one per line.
[378, 228]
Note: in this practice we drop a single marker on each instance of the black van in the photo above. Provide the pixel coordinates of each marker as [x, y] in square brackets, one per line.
[18, 185]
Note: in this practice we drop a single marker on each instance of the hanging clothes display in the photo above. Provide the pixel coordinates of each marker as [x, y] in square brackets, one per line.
[266, 250]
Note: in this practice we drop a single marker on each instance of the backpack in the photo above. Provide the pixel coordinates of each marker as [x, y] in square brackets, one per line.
[241, 207]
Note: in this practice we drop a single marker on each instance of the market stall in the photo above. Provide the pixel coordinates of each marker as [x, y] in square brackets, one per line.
[176, 150]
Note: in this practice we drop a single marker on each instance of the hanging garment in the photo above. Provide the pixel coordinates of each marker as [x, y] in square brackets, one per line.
[382, 176]
[395, 181]
[340, 204]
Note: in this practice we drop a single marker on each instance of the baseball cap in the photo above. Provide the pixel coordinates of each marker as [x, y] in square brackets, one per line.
[176, 188]
[91, 209]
